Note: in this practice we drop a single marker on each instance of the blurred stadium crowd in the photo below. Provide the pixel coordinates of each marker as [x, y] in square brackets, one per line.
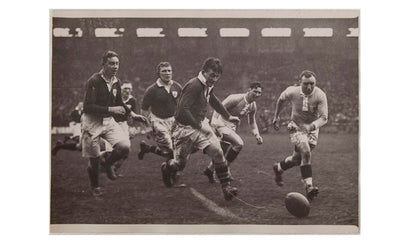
[274, 62]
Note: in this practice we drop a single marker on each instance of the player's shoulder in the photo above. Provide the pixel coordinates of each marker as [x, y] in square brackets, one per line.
[94, 78]
[292, 89]
[177, 84]
[151, 87]
[319, 92]
[237, 96]
[193, 83]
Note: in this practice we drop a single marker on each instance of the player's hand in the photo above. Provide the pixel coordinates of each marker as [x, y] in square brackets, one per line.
[308, 127]
[118, 110]
[206, 131]
[276, 123]
[139, 118]
[259, 139]
[234, 119]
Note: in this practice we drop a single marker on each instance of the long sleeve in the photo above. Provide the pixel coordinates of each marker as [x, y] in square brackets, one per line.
[218, 106]
[90, 106]
[322, 112]
[188, 98]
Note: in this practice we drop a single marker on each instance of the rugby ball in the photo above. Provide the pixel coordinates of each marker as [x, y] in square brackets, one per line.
[297, 204]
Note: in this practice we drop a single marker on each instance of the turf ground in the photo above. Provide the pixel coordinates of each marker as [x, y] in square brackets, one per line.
[141, 198]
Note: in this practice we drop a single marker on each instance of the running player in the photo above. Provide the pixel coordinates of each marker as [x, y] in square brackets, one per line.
[309, 113]
[158, 105]
[239, 105]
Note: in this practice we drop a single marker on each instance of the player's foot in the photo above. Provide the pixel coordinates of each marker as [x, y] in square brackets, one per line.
[210, 175]
[118, 172]
[278, 175]
[97, 192]
[311, 192]
[145, 148]
[109, 170]
[177, 181]
[229, 192]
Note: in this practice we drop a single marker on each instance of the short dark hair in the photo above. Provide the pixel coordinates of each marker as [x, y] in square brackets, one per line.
[255, 85]
[107, 55]
[213, 64]
[307, 74]
[162, 64]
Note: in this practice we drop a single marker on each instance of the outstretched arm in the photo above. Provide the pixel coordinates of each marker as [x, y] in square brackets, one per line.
[276, 117]
[253, 125]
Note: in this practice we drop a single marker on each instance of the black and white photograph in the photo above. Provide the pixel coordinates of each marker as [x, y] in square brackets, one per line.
[205, 121]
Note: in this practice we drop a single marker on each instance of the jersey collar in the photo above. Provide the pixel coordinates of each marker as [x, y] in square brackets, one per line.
[108, 81]
[160, 83]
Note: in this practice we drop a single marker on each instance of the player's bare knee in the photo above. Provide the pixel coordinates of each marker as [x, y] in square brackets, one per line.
[238, 146]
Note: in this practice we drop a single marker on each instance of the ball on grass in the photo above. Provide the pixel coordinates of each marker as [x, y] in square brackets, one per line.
[297, 204]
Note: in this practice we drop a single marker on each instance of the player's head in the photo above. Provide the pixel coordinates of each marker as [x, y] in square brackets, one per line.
[110, 63]
[164, 71]
[212, 70]
[307, 80]
[255, 91]
[126, 89]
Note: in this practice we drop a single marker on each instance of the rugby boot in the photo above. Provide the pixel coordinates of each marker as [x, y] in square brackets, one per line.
[145, 148]
[229, 192]
[278, 175]
[210, 175]
[311, 192]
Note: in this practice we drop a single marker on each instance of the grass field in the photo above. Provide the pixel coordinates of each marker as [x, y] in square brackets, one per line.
[141, 198]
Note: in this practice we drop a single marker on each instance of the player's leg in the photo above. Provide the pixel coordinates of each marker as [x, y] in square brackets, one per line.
[120, 162]
[215, 152]
[64, 146]
[90, 149]
[121, 145]
[286, 164]
[211, 146]
[231, 144]
[306, 170]
[162, 136]
[182, 146]
[209, 172]
[236, 145]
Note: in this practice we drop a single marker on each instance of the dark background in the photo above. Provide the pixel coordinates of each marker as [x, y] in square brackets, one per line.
[275, 61]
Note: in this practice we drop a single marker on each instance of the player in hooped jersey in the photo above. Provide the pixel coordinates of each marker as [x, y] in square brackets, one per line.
[309, 113]
[240, 105]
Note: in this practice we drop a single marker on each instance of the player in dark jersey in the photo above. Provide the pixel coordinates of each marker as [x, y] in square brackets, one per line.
[124, 122]
[158, 105]
[102, 102]
[191, 129]
[72, 142]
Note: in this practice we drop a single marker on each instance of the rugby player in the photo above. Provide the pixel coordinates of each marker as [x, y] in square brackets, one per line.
[158, 105]
[73, 142]
[191, 129]
[309, 113]
[102, 102]
[239, 105]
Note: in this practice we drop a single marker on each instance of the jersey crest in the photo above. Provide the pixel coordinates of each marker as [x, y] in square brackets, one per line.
[174, 93]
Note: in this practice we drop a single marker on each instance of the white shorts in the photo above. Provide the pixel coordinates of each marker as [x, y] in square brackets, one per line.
[161, 131]
[94, 128]
[187, 139]
[76, 129]
[298, 136]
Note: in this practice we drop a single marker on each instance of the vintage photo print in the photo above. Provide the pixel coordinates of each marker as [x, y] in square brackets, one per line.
[204, 121]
